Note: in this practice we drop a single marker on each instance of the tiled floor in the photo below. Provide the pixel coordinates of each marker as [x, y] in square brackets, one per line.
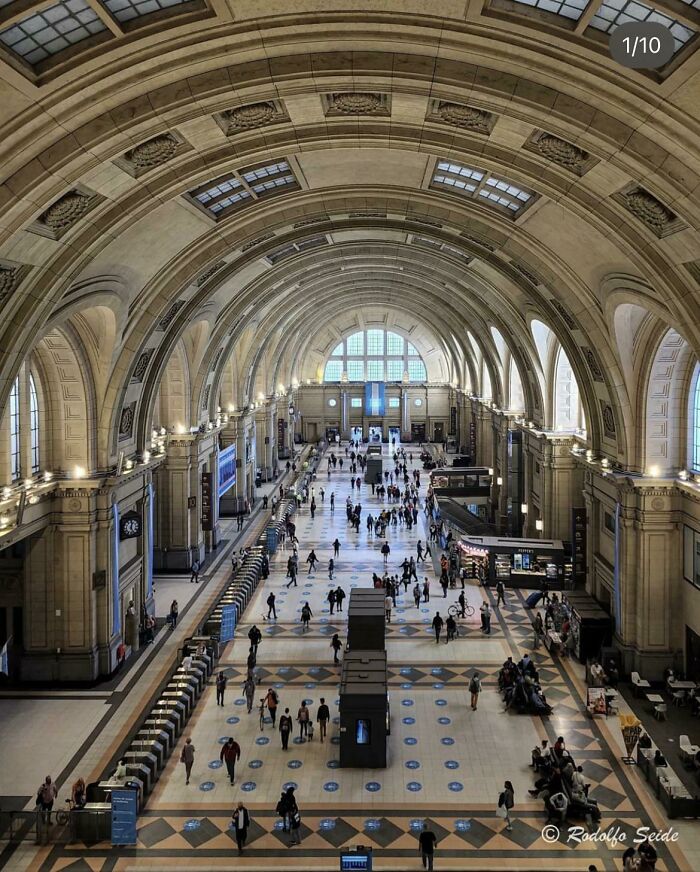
[446, 763]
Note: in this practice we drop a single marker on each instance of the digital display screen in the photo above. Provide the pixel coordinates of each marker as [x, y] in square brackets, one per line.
[362, 731]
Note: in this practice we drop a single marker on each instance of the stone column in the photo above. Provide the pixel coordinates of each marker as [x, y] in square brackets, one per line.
[405, 415]
[177, 521]
[344, 418]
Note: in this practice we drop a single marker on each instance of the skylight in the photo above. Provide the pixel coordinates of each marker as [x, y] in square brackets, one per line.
[51, 31]
[613, 13]
[124, 10]
[572, 9]
[238, 186]
[468, 181]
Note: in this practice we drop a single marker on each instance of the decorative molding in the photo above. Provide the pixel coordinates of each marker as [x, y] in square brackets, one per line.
[126, 421]
[11, 276]
[593, 364]
[559, 151]
[524, 271]
[169, 316]
[257, 241]
[344, 103]
[152, 153]
[251, 116]
[461, 115]
[414, 218]
[65, 212]
[205, 397]
[367, 213]
[693, 267]
[142, 365]
[207, 274]
[608, 418]
[564, 313]
[477, 241]
[654, 214]
[217, 358]
[307, 222]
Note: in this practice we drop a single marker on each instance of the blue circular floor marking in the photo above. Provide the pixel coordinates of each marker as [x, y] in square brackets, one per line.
[407, 702]
[425, 611]
[412, 764]
[233, 720]
[414, 786]
[310, 685]
[406, 685]
[325, 612]
[262, 740]
[371, 825]
[240, 701]
[440, 702]
[314, 670]
[401, 620]
[335, 720]
[462, 826]
[452, 764]
[331, 786]
[333, 764]
[335, 740]
[407, 670]
[327, 824]
[255, 764]
[455, 786]
[295, 764]
[408, 721]
[215, 764]
[298, 740]
[191, 825]
[410, 740]
[248, 786]
[437, 670]
[283, 670]
[444, 721]
[278, 684]
[223, 739]
[438, 685]
[288, 784]
[416, 823]
[206, 786]
[403, 630]
[447, 740]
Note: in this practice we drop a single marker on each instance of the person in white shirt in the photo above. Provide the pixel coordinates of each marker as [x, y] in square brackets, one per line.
[388, 604]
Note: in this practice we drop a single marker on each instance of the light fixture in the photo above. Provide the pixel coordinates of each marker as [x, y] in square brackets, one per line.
[491, 471]
[162, 431]
[4, 521]
[605, 462]
[231, 408]
[523, 508]
[654, 471]
[683, 475]
[589, 454]
[28, 482]
[154, 433]
[79, 472]
[7, 492]
[146, 456]
[499, 481]
[48, 476]
[180, 429]
[128, 465]
[539, 525]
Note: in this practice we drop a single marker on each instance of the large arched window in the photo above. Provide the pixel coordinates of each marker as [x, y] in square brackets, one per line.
[34, 424]
[567, 409]
[375, 355]
[695, 422]
[15, 455]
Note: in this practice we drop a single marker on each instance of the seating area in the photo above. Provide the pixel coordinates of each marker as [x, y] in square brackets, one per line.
[668, 787]
[561, 785]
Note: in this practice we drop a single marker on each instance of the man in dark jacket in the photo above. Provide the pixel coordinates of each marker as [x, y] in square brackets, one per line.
[220, 687]
[230, 752]
[437, 626]
[241, 822]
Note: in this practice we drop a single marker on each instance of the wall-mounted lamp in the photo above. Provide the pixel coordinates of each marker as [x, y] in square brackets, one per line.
[523, 508]
[490, 470]
[683, 475]
[654, 471]
[499, 481]
[539, 525]
[79, 472]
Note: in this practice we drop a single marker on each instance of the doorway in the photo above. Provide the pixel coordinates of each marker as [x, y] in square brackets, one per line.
[395, 436]
[418, 432]
[376, 434]
[356, 434]
[439, 432]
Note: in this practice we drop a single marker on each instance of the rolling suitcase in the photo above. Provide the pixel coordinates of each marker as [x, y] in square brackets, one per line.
[533, 599]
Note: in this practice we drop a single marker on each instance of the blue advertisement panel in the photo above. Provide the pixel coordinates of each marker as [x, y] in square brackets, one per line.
[227, 469]
[228, 622]
[271, 539]
[124, 813]
[374, 398]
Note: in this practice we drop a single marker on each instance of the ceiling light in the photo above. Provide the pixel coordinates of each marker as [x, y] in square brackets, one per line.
[79, 472]
[654, 471]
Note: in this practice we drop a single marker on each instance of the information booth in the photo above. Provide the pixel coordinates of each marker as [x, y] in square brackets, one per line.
[373, 467]
[522, 563]
[364, 710]
[366, 619]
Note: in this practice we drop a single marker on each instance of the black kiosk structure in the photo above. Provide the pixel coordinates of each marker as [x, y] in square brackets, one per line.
[364, 699]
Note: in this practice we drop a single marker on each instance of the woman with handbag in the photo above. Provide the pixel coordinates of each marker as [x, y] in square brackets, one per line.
[506, 801]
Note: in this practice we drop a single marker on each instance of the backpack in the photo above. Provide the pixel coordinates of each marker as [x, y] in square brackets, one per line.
[475, 686]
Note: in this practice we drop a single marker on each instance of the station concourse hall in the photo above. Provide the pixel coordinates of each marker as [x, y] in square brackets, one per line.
[350, 435]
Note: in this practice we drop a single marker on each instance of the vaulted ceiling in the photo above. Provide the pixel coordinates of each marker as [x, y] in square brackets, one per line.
[264, 168]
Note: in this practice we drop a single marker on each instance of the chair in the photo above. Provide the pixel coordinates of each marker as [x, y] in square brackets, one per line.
[678, 697]
[687, 751]
[639, 683]
[660, 711]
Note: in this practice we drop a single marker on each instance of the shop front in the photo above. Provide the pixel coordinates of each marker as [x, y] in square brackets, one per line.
[523, 563]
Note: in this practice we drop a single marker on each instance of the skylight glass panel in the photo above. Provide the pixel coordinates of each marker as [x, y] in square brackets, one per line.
[412, 350]
[356, 370]
[51, 31]
[459, 170]
[394, 343]
[567, 8]
[394, 370]
[338, 350]
[356, 343]
[217, 190]
[270, 184]
[416, 370]
[694, 3]
[269, 170]
[124, 10]
[375, 342]
[612, 13]
[375, 370]
[333, 371]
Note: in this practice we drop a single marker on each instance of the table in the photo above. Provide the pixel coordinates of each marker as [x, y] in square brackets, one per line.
[682, 685]
[655, 698]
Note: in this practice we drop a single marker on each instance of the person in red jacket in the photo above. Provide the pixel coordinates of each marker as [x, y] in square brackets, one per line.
[230, 752]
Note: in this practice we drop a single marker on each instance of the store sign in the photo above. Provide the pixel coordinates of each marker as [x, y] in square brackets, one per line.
[207, 505]
[227, 469]
[228, 622]
[453, 420]
[578, 546]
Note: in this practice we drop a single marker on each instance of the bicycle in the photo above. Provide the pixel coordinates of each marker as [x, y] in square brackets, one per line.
[456, 610]
[63, 815]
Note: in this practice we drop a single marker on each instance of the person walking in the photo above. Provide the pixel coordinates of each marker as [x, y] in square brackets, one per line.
[45, 796]
[331, 598]
[255, 637]
[426, 590]
[339, 597]
[336, 645]
[249, 691]
[444, 581]
[271, 610]
[332, 501]
[303, 720]
[241, 822]
[506, 801]
[451, 629]
[292, 572]
[312, 560]
[386, 551]
[272, 701]
[388, 604]
[437, 626]
[500, 593]
[427, 840]
[538, 628]
[194, 577]
[306, 615]
[322, 717]
[419, 552]
[221, 680]
[187, 757]
[416, 595]
[230, 752]
[285, 728]
[336, 547]
[312, 507]
[174, 611]
[294, 816]
[475, 690]
[485, 619]
[331, 570]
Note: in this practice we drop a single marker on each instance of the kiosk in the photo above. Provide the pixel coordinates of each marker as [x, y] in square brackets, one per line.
[366, 620]
[520, 562]
[364, 710]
